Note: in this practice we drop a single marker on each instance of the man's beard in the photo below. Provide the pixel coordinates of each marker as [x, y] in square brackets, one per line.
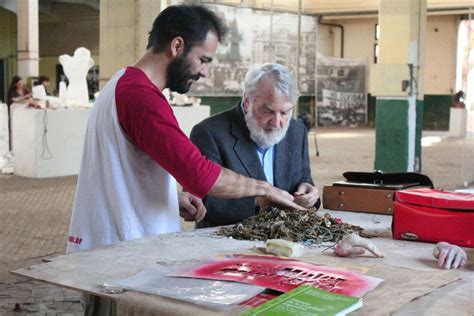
[178, 75]
[259, 135]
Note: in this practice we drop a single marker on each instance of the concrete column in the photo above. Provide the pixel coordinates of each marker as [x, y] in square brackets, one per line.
[124, 27]
[28, 56]
[397, 82]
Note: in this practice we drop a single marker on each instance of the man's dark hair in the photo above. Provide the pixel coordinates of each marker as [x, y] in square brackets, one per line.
[190, 22]
[42, 79]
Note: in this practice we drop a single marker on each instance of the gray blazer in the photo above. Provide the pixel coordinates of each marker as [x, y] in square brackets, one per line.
[225, 139]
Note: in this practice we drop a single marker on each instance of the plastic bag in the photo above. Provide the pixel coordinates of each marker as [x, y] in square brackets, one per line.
[210, 293]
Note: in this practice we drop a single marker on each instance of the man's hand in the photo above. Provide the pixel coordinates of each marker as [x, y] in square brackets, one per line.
[306, 195]
[191, 208]
[449, 256]
[279, 197]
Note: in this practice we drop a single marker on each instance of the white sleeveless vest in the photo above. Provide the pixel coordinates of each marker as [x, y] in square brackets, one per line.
[122, 193]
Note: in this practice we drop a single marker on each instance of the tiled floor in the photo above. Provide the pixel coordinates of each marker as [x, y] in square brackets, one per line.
[34, 221]
[35, 213]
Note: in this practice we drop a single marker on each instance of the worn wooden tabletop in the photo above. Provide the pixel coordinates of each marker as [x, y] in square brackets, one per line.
[413, 283]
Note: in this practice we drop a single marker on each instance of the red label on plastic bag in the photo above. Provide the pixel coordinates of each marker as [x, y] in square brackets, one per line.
[282, 274]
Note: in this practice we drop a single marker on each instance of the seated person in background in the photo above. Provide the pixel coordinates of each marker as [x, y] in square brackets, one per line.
[258, 138]
[449, 256]
[44, 80]
[17, 91]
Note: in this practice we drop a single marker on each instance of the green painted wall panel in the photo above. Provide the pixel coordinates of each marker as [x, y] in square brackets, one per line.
[8, 33]
[8, 49]
[371, 101]
[391, 138]
[305, 103]
[219, 104]
[436, 112]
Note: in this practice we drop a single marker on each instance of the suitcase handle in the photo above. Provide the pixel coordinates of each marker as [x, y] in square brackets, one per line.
[379, 177]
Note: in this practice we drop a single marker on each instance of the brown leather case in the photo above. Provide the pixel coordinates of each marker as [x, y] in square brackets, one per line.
[358, 198]
[370, 192]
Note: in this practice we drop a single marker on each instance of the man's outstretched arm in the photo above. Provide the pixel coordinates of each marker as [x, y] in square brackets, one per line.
[231, 185]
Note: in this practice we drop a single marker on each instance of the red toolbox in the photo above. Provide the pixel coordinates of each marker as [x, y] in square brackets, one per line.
[434, 215]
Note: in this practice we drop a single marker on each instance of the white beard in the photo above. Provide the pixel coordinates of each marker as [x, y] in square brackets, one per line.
[258, 134]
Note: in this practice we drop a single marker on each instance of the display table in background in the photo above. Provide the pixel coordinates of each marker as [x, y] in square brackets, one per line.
[457, 122]
[48, 143]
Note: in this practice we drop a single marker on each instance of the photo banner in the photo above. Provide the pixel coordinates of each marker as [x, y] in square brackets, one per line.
[341, 91]
[257, 37]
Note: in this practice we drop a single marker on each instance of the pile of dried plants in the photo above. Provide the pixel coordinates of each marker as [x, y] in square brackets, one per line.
[292, 225]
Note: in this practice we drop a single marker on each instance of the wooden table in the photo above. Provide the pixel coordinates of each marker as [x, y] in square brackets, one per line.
[408, 268]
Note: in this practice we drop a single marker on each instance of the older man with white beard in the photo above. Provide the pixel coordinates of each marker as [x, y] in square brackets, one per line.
[258, 138]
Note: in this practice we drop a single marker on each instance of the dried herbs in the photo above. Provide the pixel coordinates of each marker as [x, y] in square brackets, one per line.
[293, 225]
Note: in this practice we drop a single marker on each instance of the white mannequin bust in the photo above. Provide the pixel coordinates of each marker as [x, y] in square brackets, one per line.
[75, 69]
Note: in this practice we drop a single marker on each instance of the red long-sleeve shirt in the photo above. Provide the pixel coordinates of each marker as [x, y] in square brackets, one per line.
[149, 122]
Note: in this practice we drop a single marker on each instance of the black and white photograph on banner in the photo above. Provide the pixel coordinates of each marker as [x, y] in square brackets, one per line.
[257, 37]
[342, 91]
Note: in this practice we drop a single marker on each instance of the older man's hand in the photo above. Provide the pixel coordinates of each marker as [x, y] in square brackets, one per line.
[306, 195]
[278, 197]
[191, 208]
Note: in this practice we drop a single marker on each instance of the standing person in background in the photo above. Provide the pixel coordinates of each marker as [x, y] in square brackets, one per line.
[44, 80]
[16, 92]
[135, 151]
[258, 138]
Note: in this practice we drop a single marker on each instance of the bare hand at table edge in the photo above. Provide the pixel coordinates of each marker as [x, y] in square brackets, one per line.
[353, 244]
[449, 256]
[191, 208]
[306, 195]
